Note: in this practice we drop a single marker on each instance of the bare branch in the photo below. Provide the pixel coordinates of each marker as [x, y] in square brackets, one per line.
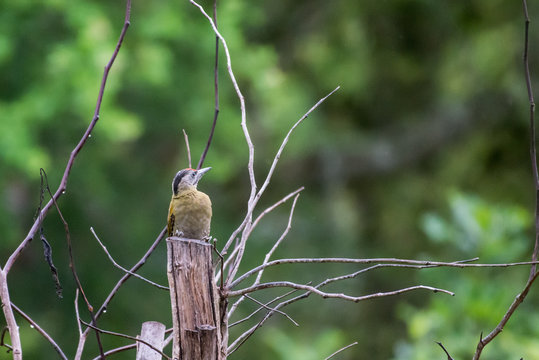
[216, 90]
[117, 350]
[533, 147]
[340, 350]
[77, 313]
[240, 97]
[43, 333]
[4, 291]
[124, 269]
[63, 183]
[332, 295]
[271, 309]
[445, 351]
[263, 307]
[119, 284]
[498, 329]
[127, 337]
[186, 139]
[132, 346]
[395, 261]
[72, 265]
[10, 318]
[257, 220]
[252, 202]
[533, 152]
[268, 255]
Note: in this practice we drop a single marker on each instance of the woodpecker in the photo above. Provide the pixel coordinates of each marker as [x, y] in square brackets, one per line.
[189, 215]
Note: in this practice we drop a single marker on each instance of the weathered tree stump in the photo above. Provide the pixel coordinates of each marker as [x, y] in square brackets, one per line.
[194, 300]
[152, 332]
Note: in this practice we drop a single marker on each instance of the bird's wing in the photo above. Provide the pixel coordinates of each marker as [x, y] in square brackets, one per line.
[171, 219]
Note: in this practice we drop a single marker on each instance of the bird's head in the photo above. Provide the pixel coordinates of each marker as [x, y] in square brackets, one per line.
[187, 178]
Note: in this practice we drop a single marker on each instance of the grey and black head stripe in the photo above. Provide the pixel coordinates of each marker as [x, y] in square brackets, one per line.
[177, 179]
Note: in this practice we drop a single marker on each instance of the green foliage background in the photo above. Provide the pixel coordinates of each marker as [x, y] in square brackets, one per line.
[423, 153]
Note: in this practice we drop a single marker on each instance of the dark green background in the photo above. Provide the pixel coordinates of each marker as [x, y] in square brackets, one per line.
[423, 153]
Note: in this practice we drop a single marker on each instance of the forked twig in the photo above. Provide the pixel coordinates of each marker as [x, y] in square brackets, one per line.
[271, 309]
[118, 285]
[124, 269]
[252, 202]
[127, 337]
[533, 152]
[40, 330]
[269, 253]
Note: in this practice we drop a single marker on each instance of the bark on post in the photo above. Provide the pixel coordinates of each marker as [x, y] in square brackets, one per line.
[194, 300]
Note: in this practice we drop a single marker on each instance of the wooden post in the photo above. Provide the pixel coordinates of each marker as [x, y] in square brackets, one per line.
[152, 332]
[194, 300]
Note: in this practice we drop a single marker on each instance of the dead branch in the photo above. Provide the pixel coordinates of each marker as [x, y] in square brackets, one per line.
[186, 139]
[396, 262]
[268, 255]
[40, 330]
[271, 309]
[326, 295]
[4, 291]
[257, 220]
[533, 152]
[216, 91]
[445, 351]
[252, 202]
[123, 279]
[126, 337]
[124, 269]
[266, 306]
[63, 183]
[340, 350]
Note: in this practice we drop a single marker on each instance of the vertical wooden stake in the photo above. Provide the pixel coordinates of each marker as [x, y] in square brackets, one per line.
[152, 332]
[194, 300]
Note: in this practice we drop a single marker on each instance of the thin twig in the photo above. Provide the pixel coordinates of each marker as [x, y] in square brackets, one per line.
[72, 265]
[118, 350]
[124, 269]
[257, 220]
[119, 284]
[271, 309]
[186, 139]
[533, 147]
[216, 89]
[40, 330]
[340, 350]
[445, 350]
[263, 307]
[133, 346]
[326, 295]
[4, 291]
[240, 97]
[252, 203]
[483, 341]
[63, 183]
[457, 264]
[77, 313]
[126, 337]
[269, 253]
[533, 152]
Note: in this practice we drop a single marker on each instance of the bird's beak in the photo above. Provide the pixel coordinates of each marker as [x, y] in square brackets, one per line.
[201, 172]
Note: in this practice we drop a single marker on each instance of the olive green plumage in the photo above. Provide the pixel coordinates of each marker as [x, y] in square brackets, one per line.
[189, 214]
